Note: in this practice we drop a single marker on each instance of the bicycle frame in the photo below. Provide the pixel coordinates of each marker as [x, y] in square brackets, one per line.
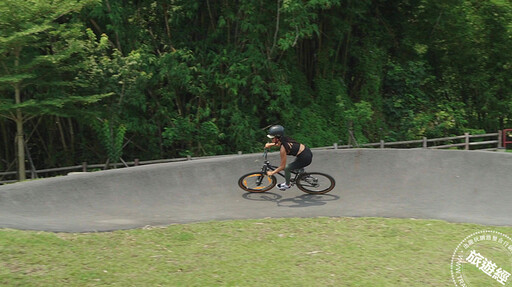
[267, 166]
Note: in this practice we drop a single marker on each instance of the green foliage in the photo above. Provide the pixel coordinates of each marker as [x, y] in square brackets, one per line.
[406, 103]
[358, 116]
[194, 136]
[60, 106]
[203, 77]
[443, 120]
[112, 138]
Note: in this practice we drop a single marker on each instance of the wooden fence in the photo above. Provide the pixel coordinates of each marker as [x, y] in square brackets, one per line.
[491, 141]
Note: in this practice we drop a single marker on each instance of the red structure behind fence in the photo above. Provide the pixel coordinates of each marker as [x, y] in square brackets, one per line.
[507, 137]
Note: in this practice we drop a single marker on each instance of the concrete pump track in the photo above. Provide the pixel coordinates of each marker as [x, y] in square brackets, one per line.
[456, 186]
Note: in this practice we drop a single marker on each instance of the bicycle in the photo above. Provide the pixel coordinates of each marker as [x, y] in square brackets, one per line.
[308, 182]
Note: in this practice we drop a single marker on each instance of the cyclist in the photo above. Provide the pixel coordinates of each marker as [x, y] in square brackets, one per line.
[288, 146]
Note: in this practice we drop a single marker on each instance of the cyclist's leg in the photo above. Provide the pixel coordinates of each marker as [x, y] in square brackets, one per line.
[288, 169]
[304, 159]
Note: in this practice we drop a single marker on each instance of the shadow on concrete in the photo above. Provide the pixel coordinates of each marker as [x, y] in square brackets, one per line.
[304, 200]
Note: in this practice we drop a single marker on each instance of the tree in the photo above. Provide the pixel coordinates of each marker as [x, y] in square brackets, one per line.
[35, 51]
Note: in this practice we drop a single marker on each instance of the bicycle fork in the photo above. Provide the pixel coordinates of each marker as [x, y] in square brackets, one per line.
[260, 178]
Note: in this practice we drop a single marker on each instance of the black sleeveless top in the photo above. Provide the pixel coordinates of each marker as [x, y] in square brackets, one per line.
[292, 148]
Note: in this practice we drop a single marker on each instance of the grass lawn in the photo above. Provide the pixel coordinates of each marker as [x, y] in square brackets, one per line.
[267, 252]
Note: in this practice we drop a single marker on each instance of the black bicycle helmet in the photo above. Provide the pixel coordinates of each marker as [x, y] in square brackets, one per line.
[275, 131]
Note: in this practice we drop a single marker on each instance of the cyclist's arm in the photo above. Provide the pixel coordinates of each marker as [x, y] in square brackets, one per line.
[283, 162]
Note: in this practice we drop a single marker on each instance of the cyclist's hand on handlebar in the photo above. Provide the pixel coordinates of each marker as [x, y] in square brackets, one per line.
[269, 145]
[269, 173]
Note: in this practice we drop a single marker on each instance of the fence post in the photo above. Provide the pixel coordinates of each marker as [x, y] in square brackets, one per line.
[84, 166]
[381, 144]
[335, 145]
[425, 143]
[466, 135]
[136, 162]
[239, 152]
[500, 139]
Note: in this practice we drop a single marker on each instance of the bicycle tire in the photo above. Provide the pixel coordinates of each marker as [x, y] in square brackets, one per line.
[249, 182]
[315, 183]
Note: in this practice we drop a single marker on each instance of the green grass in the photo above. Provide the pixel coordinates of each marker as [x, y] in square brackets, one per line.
[269, 252]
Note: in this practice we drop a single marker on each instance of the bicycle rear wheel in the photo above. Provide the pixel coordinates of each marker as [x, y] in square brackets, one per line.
[315, 183]
[257, 182]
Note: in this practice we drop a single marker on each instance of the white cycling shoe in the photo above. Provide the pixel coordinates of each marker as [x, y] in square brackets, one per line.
[283, 186]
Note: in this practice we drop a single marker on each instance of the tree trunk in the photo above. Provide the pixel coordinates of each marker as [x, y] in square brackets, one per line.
[5, 158]
[62, 136]
[71, 141]
[20, 139]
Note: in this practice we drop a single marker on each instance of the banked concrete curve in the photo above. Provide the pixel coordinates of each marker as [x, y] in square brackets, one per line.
[457, 186]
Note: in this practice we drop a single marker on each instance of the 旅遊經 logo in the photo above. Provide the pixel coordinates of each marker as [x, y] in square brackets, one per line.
[483, 258]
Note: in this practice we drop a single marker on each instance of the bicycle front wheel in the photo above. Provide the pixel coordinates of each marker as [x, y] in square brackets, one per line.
[315, 183]
[257, 182]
